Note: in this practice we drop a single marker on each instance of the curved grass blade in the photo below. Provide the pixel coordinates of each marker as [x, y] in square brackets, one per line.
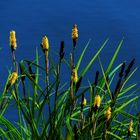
[3, 134]
[93, 59]
[111, 62]
[35, 87]
[128, 78]
[82, 54]
[114, 135]
[104, 76]
[30, 77]
[14, 133]
[125, 104]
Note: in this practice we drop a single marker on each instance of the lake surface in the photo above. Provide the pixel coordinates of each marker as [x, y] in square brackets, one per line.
[96, 20]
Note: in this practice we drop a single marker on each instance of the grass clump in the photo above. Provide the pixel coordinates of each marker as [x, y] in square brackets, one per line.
[49, 110]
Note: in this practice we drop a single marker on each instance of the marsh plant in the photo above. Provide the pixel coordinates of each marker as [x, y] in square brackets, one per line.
[48, 109]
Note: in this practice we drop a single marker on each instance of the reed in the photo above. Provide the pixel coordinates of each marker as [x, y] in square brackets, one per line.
[79, 109]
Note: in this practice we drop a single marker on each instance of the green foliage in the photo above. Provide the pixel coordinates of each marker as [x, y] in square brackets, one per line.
[50, 109]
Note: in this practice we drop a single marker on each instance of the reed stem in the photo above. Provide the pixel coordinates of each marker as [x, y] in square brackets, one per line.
[47, 84]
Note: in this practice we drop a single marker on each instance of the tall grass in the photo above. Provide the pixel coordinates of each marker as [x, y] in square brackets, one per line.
[49, 110]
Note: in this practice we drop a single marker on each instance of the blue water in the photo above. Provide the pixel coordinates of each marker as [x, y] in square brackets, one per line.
[96, 20]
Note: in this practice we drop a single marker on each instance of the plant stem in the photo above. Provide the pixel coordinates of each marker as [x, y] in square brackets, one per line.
[73, 49]
[18, 106]
[57, 86]
[13, 56]
[47, 84]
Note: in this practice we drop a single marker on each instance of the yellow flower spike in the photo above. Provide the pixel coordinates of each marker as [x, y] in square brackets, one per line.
[74, 75]
[74, 32]
[13, 78]
[12, 39]
[97, 101]
[108, 114]
[84, 101]
[130, 128]
[68, 136]
[45, 43]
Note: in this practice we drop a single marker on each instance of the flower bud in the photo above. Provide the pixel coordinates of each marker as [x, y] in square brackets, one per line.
[68, 136]
[61, 52]
[74, 35]
[84, 102]
[130, 128]
[97, 101]
[108, 114]
[45, 43]
[12, 39]
[127, 71]
[74, 75]
[74, 32]
[13, 78]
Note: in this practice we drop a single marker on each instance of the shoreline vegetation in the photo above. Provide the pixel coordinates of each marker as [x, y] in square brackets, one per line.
[57, 112]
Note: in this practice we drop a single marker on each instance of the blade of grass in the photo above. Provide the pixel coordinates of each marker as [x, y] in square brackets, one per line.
[111, 63]
[114, 135]
[82, 54]
[128, 78]
[30, 77]
[125, 104]
[4, 134]
[93, 59]
[35, 87]
[13, 130]
[108, 88]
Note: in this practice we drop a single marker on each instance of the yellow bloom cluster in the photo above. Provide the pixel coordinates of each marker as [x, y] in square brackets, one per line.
[12, 38]
[75, 32]
[13, 78]
[45, 43]
[130, 128]
[68, 136]
[84, 101]
[108, 113]
[97, 101]
[74, 75]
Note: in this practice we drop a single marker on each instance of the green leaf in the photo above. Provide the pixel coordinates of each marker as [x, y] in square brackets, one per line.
[4, 134]
[114, 57]
[114, 135]
[14, 133]
[68, 125]
[30, 77]
[104, 76]
[111, 63]
[93, 59]
[81, 56]
[35, 87]
[128, 78]
[125, 104]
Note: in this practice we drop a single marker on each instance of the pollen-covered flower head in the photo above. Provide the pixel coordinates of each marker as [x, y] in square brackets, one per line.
[13, 78]
[108, 114]
[74, 75]
[45, 43]
[74, 32]
[84, 102]
[97, 101]
[130, 128]
[12, 39]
